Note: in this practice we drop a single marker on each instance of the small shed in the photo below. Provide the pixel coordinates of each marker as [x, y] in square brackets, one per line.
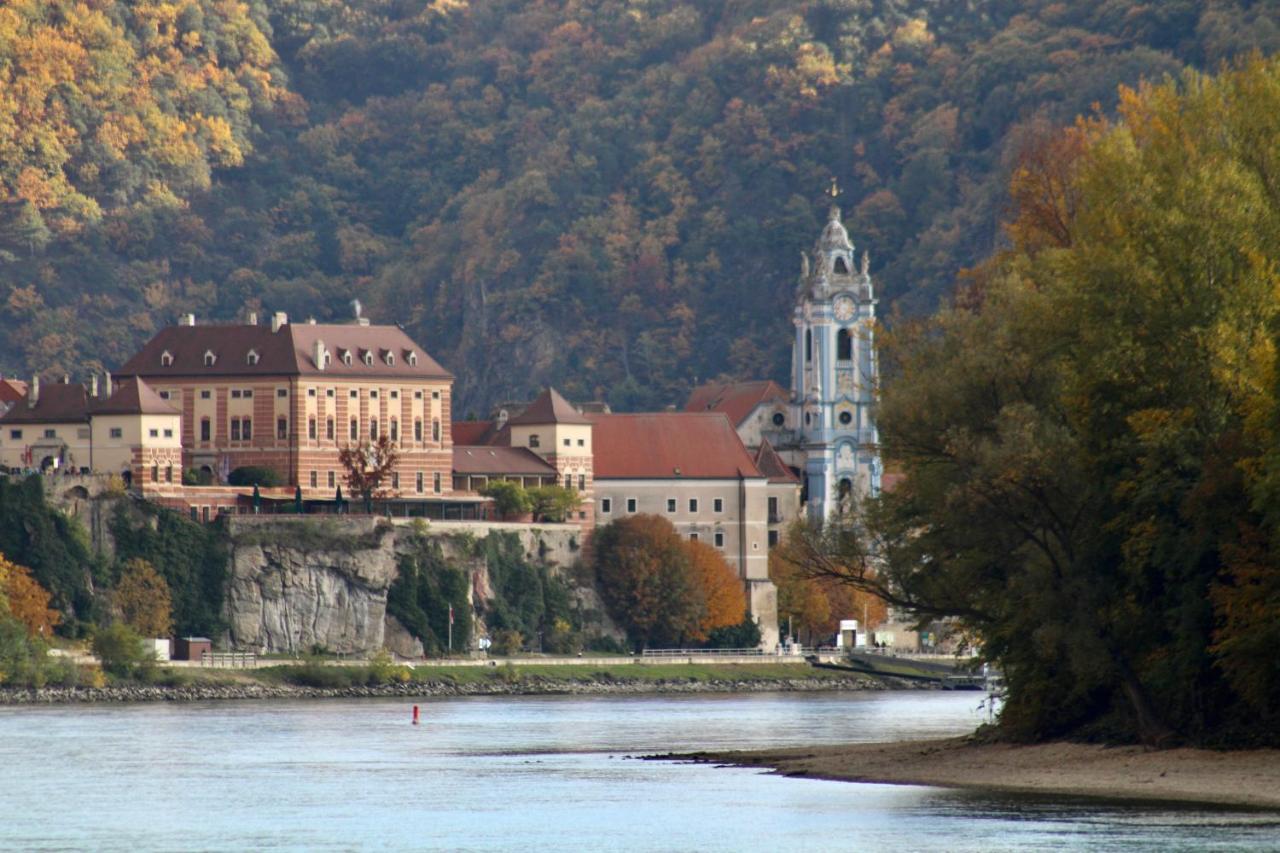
[191, 648]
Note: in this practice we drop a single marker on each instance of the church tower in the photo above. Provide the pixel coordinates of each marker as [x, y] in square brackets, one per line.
[834, 374]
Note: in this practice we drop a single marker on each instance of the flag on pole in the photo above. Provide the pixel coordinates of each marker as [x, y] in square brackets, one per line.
[450, 614]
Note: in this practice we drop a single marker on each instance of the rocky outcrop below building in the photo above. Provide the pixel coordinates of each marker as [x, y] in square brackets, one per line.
[524, 686]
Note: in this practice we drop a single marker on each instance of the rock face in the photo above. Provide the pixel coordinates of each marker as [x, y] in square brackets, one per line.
[307, 583]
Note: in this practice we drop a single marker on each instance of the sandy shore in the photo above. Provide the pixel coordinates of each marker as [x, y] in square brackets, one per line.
[1246, 778]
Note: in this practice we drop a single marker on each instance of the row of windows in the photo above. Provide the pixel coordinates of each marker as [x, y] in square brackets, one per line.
[844, 345]
[419, 484]
[247, 393]
[81, 433]
[606, 504]
[582, 482]
[242, 429]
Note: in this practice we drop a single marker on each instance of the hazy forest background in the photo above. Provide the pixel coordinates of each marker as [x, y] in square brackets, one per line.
[612, 194]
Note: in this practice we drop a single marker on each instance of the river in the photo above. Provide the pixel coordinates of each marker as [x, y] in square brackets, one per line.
[528, 773]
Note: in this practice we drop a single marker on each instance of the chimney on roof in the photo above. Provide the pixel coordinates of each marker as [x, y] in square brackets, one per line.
[106, 389]
[187, 320]
[66, 380]
[93, 386]
[362, 321]
[279, 319]
[33, 393]
[253, 319]
[318, 354]
[311, 321]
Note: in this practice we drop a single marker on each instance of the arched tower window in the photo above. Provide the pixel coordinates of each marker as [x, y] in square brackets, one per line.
[840, 266]
[808, 345]
[844, 345]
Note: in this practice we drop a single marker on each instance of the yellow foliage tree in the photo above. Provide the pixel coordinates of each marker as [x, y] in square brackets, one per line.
[726, 601]
[26, 600]
[142, 599]
[814, 606]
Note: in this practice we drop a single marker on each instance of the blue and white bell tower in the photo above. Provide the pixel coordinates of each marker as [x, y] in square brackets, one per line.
[834, 375]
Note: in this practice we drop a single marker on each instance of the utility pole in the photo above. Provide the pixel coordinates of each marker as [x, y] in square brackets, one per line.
[450, 629]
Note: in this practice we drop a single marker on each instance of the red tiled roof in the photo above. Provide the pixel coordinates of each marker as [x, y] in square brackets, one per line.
[134, 397]
[58, 404]
[668, 445]
[496, 461]
[471, 432]
[772, 466]
[287, 352]
[736, 399]
[12, 390]
[549, 408]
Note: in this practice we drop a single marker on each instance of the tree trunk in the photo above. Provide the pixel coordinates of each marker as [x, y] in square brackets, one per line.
[1152, 730]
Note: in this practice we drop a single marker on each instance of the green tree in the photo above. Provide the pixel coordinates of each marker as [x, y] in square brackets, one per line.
[553, 503]
[510, 499]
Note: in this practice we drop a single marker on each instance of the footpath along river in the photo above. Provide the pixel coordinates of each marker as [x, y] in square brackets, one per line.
[528, 773]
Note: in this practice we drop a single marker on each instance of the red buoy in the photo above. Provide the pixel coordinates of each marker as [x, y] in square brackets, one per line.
[415, 715]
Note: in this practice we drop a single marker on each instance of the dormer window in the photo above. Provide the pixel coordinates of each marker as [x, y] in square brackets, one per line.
[346, 357]
[390, 358]
[166, 359]
[368, 359]
[209, 358]
[326, 359]
[412, 358]
[252, 358]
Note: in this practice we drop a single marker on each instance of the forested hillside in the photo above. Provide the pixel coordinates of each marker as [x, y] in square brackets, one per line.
[606, 194]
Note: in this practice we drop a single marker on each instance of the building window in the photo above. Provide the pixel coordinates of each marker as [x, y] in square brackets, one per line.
[235, 394]
[395, 395]
[582, 442]
[205, 428]
[373, 395]
[435, 482]
[248, 392]
[355, 429]
[328, 392]
[808, 345]
[329, 429]
[435, 395]
[693, 537]
[209, 359]
[606, 506]
[395, 481]
[435, 429]
[717, 505]
[246, 429]
[252, 357]
[773, 538]
[844, 345]
[282, 428]
[116, 432]
[693, 504]
[779, 419]
[568, 482]
[373, 430]
[567, 443]
[15, 434]
[155, 433]
[417, 430]
[168, 433]
[53, 433]
[164, 395]
[845, 418]
[533, 441]
[282, 392]
[155, 473]
[311, 392]
[354, 393]
[417, 395]
[315, 478]
[83, 433]
[346, 357]
[395, 430]
[719, 540]
[582, 482]
[332, 479]
[412, 358]
[235, 429]
[418, 484]
[205, 395]
[311, 428]
[631, 504]
[168, 474]
[671, 504]
[368, 359]
[166, 359]
[773, 511]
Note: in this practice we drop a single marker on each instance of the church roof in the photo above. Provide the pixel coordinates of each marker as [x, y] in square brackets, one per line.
[736, 400]
[668, 446]
[134, 397]
[772, 466]
[549, 408]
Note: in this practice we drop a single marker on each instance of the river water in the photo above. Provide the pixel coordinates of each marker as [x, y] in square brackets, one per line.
[527, 773]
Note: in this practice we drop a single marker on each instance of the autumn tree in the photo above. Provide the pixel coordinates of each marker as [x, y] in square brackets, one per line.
[141, 598]
[368, 467]
[27, 600]
[720, 587]
[647, 582]
[812, 603]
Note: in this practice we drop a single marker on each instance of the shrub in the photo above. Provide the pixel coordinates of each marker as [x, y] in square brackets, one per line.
[254, 475]
[119, 649]
[507, 642]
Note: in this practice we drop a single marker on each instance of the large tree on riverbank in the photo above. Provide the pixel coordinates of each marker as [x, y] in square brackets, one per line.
[1089, 434]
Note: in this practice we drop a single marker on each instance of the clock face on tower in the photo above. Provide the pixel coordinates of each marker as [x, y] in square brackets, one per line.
[844, 308]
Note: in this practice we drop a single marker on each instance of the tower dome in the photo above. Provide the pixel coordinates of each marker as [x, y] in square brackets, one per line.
[834, 236]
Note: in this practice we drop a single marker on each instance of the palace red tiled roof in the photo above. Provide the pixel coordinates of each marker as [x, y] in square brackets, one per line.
[772, 466]
[12, 390]
[287, 352]
[133, 397]
[736, 400]
[471, 432]
[549, 408]
[58, 403]
[668, 445]
[499, 461]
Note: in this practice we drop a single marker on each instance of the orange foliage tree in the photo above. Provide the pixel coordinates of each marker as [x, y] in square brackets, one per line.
[27, 600]
[142, 599]
[726, 602]
[814, 605]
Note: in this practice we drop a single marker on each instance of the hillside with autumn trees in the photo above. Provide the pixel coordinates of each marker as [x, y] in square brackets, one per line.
[610, 194]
